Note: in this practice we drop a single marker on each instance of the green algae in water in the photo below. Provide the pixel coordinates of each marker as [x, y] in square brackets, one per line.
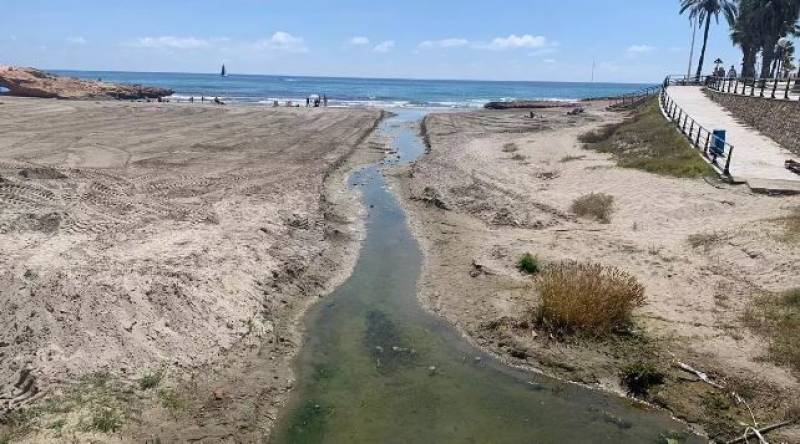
[377, 368]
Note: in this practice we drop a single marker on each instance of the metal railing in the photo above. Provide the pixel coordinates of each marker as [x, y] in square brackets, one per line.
[636, 98]
[684, 80]
[772, 88]
[712, 147]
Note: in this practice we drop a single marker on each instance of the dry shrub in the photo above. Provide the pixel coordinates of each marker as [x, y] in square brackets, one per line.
[510, 148]
[706, 240]
[601, 134]
[595, 205]
[587, 298]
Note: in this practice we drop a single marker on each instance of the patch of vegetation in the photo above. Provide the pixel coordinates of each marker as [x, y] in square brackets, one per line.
[529, 263]
[171, 400]
[586, 298]
[640, 376]
[792, 224]
[570, 158]
[705, 240]
[601, 134]
[510, 148]
[777, 317]
[648, 142]
[597, 206]
[518, 157]
[151, 379]
[98, 403]
[105, 420]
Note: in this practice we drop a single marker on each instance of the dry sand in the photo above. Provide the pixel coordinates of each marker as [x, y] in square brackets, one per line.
[136, 236]
[476, 210]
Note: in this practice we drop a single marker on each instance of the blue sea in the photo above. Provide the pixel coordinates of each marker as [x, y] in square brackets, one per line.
[356, 91]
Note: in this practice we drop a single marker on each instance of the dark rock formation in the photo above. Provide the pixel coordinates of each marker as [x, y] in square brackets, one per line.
[29, 82]
[529, 104]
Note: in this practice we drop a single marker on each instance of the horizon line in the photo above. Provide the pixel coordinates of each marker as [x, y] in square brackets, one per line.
[229, 74]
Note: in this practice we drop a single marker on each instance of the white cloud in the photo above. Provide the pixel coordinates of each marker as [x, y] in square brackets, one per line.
[444, 43]
[549, 61]
[171, 42]
[384, 46]
[515, 42]
[358, 41]
[76, 40]
[283, 41]
[640, 49]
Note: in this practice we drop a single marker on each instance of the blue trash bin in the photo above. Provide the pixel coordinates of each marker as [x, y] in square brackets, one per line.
[718, 142]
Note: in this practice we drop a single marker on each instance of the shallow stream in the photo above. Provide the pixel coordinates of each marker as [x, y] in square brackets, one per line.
[377, 368]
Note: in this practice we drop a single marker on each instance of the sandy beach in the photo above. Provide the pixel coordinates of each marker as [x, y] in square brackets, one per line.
[138, 238]
[496, 185]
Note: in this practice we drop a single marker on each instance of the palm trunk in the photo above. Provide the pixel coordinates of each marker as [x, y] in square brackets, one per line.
[705, 43]
[748, 61]
[768, 55]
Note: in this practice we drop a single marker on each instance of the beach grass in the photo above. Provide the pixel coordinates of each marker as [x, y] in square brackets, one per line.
[646, 141]
[777, 318]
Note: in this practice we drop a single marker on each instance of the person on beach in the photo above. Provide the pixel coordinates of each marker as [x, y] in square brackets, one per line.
[308, 102]
[325, 100]
[191, 99]
[732, 72]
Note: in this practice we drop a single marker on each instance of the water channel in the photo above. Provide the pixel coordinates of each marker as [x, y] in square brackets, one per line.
[377, 368]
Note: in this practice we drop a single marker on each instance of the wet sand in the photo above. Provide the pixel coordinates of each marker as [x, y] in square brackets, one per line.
[477, 206]
[139, 236]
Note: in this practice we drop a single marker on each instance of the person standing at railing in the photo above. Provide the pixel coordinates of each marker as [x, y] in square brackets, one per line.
[732, 72]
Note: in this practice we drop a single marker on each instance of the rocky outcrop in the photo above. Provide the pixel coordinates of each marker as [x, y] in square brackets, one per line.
[29, 82]
[529, 104]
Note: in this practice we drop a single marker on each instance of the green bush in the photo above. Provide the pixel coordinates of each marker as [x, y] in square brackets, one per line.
[151, 379]
[528, 263]
[639, 377]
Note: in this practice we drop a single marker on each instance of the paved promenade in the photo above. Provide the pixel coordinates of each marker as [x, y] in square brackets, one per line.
[755, 156]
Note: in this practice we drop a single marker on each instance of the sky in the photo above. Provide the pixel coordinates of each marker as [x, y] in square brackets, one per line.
[558, 40]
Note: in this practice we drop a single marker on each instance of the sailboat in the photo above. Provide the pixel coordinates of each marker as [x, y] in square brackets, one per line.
[223, 73]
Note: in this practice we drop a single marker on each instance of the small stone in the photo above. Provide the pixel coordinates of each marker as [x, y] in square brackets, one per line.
[219, 394]
[432, 370]
[478, 359]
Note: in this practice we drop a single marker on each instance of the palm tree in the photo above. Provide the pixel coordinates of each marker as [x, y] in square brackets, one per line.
[774, 19]
[745, 34]
[702, 11]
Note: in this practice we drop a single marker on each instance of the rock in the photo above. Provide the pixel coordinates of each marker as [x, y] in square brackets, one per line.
[529, 104]
[432, 370]
[30, 82]
[219, 394]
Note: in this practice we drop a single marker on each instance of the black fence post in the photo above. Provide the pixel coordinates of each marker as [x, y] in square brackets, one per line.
[708, 142]
[774, 87]
[753, 88]
[728, 161]
[763, 86]
[786, 92]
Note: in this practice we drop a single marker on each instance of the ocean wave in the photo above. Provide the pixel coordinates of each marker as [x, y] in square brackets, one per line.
[470, 103]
